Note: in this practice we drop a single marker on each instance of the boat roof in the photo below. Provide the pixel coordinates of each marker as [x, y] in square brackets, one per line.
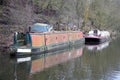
[40, 27]
[40, 24]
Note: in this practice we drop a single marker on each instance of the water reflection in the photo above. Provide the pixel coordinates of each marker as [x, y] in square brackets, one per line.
[97, 47]
[51, 59]
[105, 64]
[37, 63]
[69, 64]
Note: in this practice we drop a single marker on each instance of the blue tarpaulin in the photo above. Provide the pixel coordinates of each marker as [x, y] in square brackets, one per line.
[40, 27]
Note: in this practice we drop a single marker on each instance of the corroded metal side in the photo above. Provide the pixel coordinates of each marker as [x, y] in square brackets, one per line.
[37, 40]
[49, 39]
[54, 38]
[75, 36]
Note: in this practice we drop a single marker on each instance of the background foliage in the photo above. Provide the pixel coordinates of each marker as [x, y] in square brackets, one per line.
[18, 15]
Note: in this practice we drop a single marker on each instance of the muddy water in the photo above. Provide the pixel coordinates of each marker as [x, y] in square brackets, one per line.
[87, 62]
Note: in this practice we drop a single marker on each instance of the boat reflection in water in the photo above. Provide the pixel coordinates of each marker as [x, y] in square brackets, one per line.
[51, 59]
[98, 46]
[37, 63]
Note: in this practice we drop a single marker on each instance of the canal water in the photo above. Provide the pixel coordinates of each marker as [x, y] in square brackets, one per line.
[86, 62]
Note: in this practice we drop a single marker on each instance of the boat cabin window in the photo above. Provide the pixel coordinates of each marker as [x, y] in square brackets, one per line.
[95, 31]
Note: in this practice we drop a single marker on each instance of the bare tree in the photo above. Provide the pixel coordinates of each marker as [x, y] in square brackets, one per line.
[79, 8]
[21, 13]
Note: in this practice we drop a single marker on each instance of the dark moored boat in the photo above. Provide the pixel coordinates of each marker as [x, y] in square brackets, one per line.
[96, 37]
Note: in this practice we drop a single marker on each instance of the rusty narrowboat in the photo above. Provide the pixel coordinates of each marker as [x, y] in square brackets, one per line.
[41, 38]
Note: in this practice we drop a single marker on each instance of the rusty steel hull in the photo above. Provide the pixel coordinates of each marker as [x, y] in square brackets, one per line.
[50, 41]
